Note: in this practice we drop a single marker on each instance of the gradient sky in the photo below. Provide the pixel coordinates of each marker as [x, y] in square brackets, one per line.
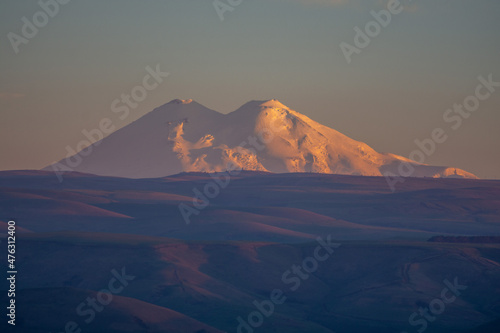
[395, 91]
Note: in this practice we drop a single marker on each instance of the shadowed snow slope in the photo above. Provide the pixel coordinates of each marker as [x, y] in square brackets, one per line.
[183, 135]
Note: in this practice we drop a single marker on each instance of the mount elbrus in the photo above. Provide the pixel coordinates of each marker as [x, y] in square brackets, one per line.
[184, 136]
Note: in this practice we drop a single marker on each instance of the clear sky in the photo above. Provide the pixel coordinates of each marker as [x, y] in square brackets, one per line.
[396, 90]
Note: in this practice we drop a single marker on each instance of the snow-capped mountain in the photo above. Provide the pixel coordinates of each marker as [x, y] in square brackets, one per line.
[183, 135]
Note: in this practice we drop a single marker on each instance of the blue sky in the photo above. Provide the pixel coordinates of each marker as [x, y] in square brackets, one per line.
[395, 91]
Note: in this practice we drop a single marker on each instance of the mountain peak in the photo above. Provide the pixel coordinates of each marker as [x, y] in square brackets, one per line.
[273, 103]
[257, 106]
[180, 101]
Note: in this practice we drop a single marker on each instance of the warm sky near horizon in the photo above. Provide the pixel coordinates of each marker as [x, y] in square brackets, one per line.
[396, 90]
